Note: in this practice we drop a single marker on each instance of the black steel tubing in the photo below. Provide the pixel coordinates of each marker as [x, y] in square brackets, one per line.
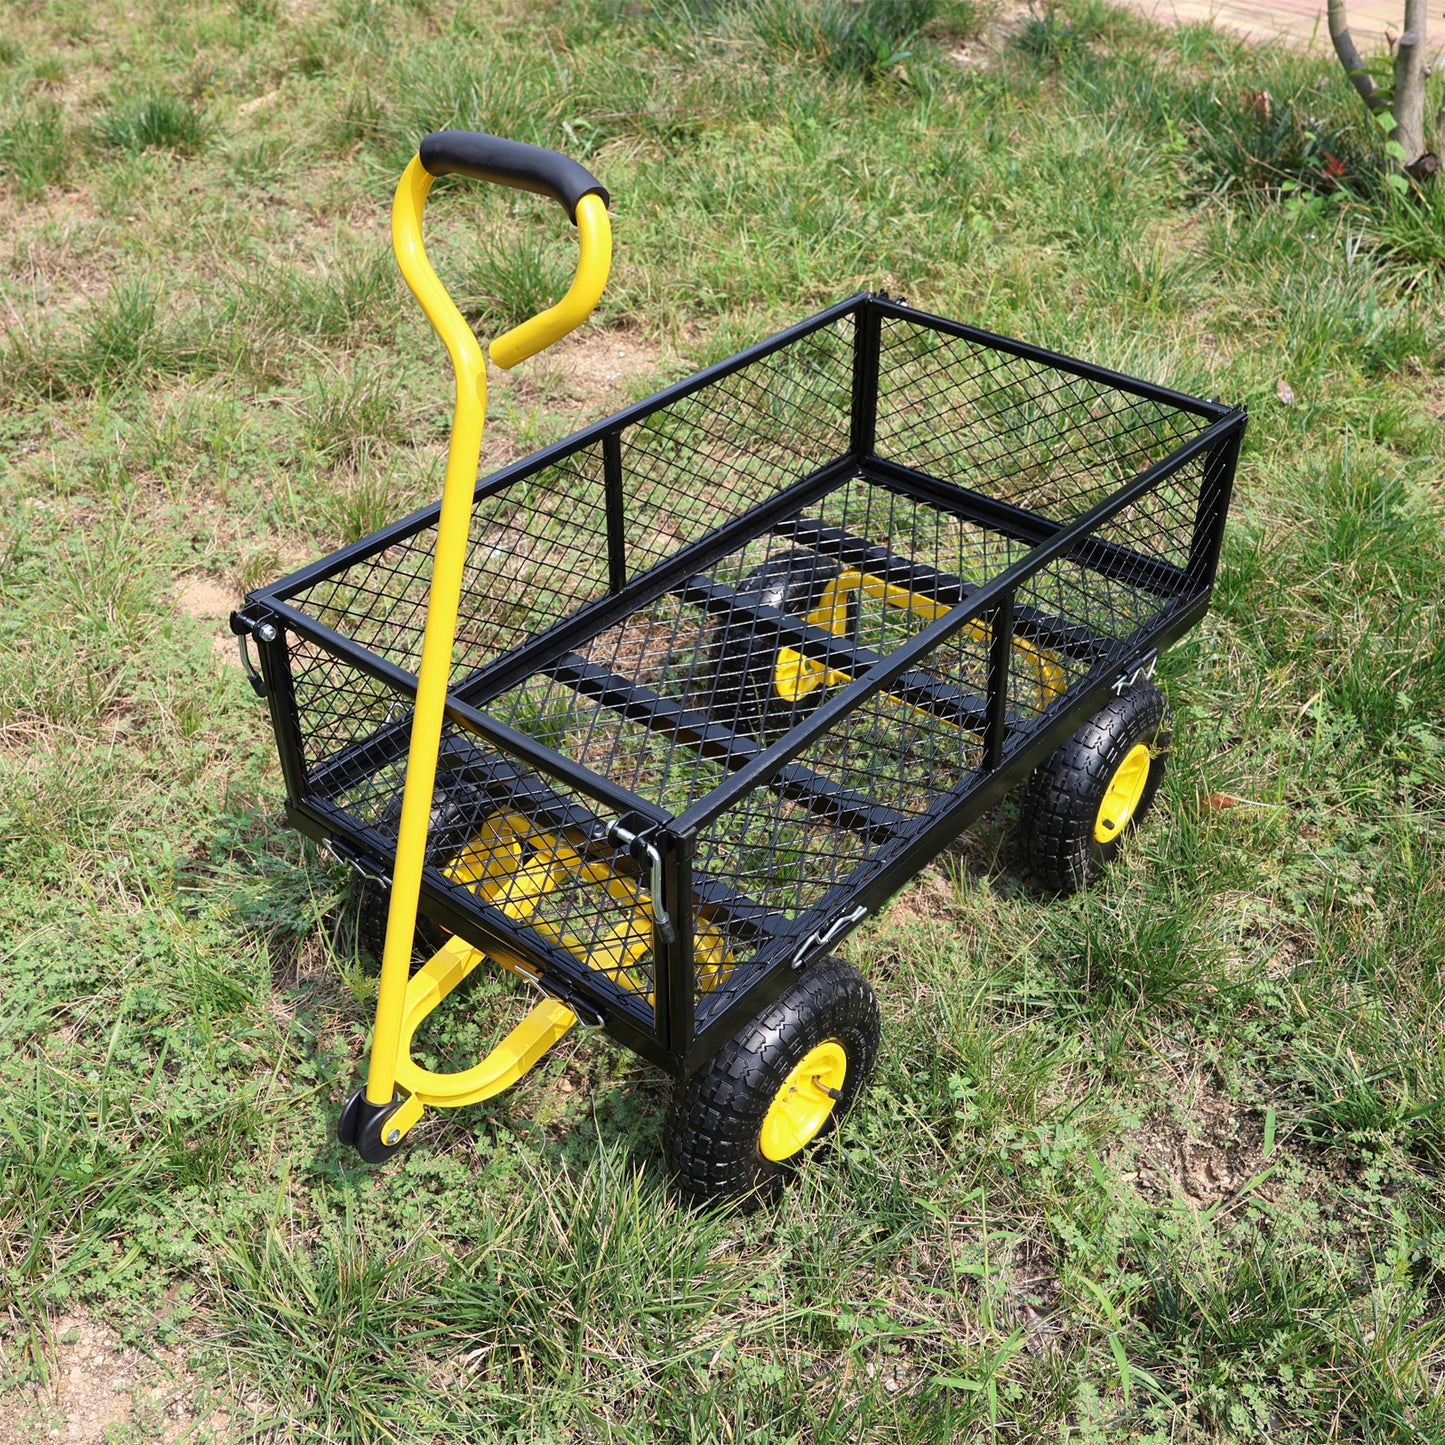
[878, 678]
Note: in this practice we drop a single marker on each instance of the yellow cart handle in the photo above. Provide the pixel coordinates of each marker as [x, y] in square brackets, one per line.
[530, 168]
[525, 167]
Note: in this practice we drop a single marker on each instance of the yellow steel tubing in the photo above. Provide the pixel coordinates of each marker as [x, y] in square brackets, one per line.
[594, 232]
[508, 1062]
[453, 527]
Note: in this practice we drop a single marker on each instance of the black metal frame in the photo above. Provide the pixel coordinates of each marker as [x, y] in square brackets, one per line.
[513, 767]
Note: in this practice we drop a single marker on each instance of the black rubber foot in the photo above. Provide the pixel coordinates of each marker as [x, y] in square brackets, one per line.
[713, 1132]
[1067, 789]
[362, 1125]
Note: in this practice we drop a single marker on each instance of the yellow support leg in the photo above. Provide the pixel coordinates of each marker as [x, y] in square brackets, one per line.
[508, 1062]
[513, 1058]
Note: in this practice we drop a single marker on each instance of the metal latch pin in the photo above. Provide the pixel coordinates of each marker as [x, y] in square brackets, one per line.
[624, 837]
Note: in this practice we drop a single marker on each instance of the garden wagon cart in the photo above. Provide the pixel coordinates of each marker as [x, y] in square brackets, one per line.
[654, 717]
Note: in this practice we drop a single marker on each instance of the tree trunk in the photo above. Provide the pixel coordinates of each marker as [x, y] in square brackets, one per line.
[1406, 101]
[1344, 44]
[1408, 104]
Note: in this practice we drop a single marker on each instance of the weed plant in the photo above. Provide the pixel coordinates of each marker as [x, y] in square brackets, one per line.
[1160, 1163]
[153, 122]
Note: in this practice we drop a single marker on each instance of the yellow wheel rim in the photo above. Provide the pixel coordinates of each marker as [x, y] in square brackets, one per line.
[1122, 795]
[802, 1106]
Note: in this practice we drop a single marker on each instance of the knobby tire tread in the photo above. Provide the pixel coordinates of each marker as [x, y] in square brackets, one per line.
[715, 1118]
[1067, 789]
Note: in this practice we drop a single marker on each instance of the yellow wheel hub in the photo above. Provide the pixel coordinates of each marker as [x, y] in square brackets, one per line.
[802, 1106]
[1122, 795]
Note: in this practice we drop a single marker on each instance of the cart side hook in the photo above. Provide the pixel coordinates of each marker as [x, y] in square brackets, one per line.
[622, 836]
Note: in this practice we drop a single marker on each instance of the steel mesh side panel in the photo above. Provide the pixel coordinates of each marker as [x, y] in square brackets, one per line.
[1013, 428]
[1075, 623]
[1160, 524]
[507, 815]
[515, 847]
[919, 533]
[537, 552]
[708, 457]
[338, 706]
[1121, 615]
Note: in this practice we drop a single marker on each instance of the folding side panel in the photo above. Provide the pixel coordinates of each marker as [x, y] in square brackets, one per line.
[706, 458]
[1012, 427]
[529, 855]
[537, 553]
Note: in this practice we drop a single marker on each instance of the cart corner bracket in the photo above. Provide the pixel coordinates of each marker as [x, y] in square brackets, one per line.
[246, 624]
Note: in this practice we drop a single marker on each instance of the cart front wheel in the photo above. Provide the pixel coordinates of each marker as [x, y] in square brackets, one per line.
[1095, 788]
[742, 1124]
[458, 810]
[363, 924]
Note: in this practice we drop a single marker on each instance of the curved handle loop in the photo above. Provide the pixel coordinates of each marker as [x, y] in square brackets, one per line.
[525, 167]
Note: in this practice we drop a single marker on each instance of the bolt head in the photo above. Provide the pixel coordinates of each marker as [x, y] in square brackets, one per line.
[393, 1136]
[266, 632]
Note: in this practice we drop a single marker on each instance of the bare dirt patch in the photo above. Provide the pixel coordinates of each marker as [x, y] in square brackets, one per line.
[101, 1387]
[927, 899]
[54, 254]
[600, 364]
[211, 601]
[978, 50]
[594, 370]
[1206, 1157]
[580, 379]
[206, 599]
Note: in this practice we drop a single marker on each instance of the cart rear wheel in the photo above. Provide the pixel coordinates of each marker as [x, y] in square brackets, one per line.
[758, 687]
[744, 1121]
[1084, 800]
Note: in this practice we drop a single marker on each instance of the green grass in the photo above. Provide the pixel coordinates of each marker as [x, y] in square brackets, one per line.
[152, 122]
[1158, 1164]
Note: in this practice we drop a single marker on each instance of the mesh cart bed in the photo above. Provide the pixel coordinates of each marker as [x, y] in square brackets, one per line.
[733, 664]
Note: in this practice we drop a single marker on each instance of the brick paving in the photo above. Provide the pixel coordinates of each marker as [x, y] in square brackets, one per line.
[1297, 22]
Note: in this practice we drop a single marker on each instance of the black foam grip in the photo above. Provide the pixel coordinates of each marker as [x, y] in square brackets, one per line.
[510, 163]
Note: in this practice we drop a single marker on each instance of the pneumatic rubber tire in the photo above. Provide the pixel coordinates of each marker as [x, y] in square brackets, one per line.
[1067, 790]
[744, 656]
[712, 1138]
[363, 924]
